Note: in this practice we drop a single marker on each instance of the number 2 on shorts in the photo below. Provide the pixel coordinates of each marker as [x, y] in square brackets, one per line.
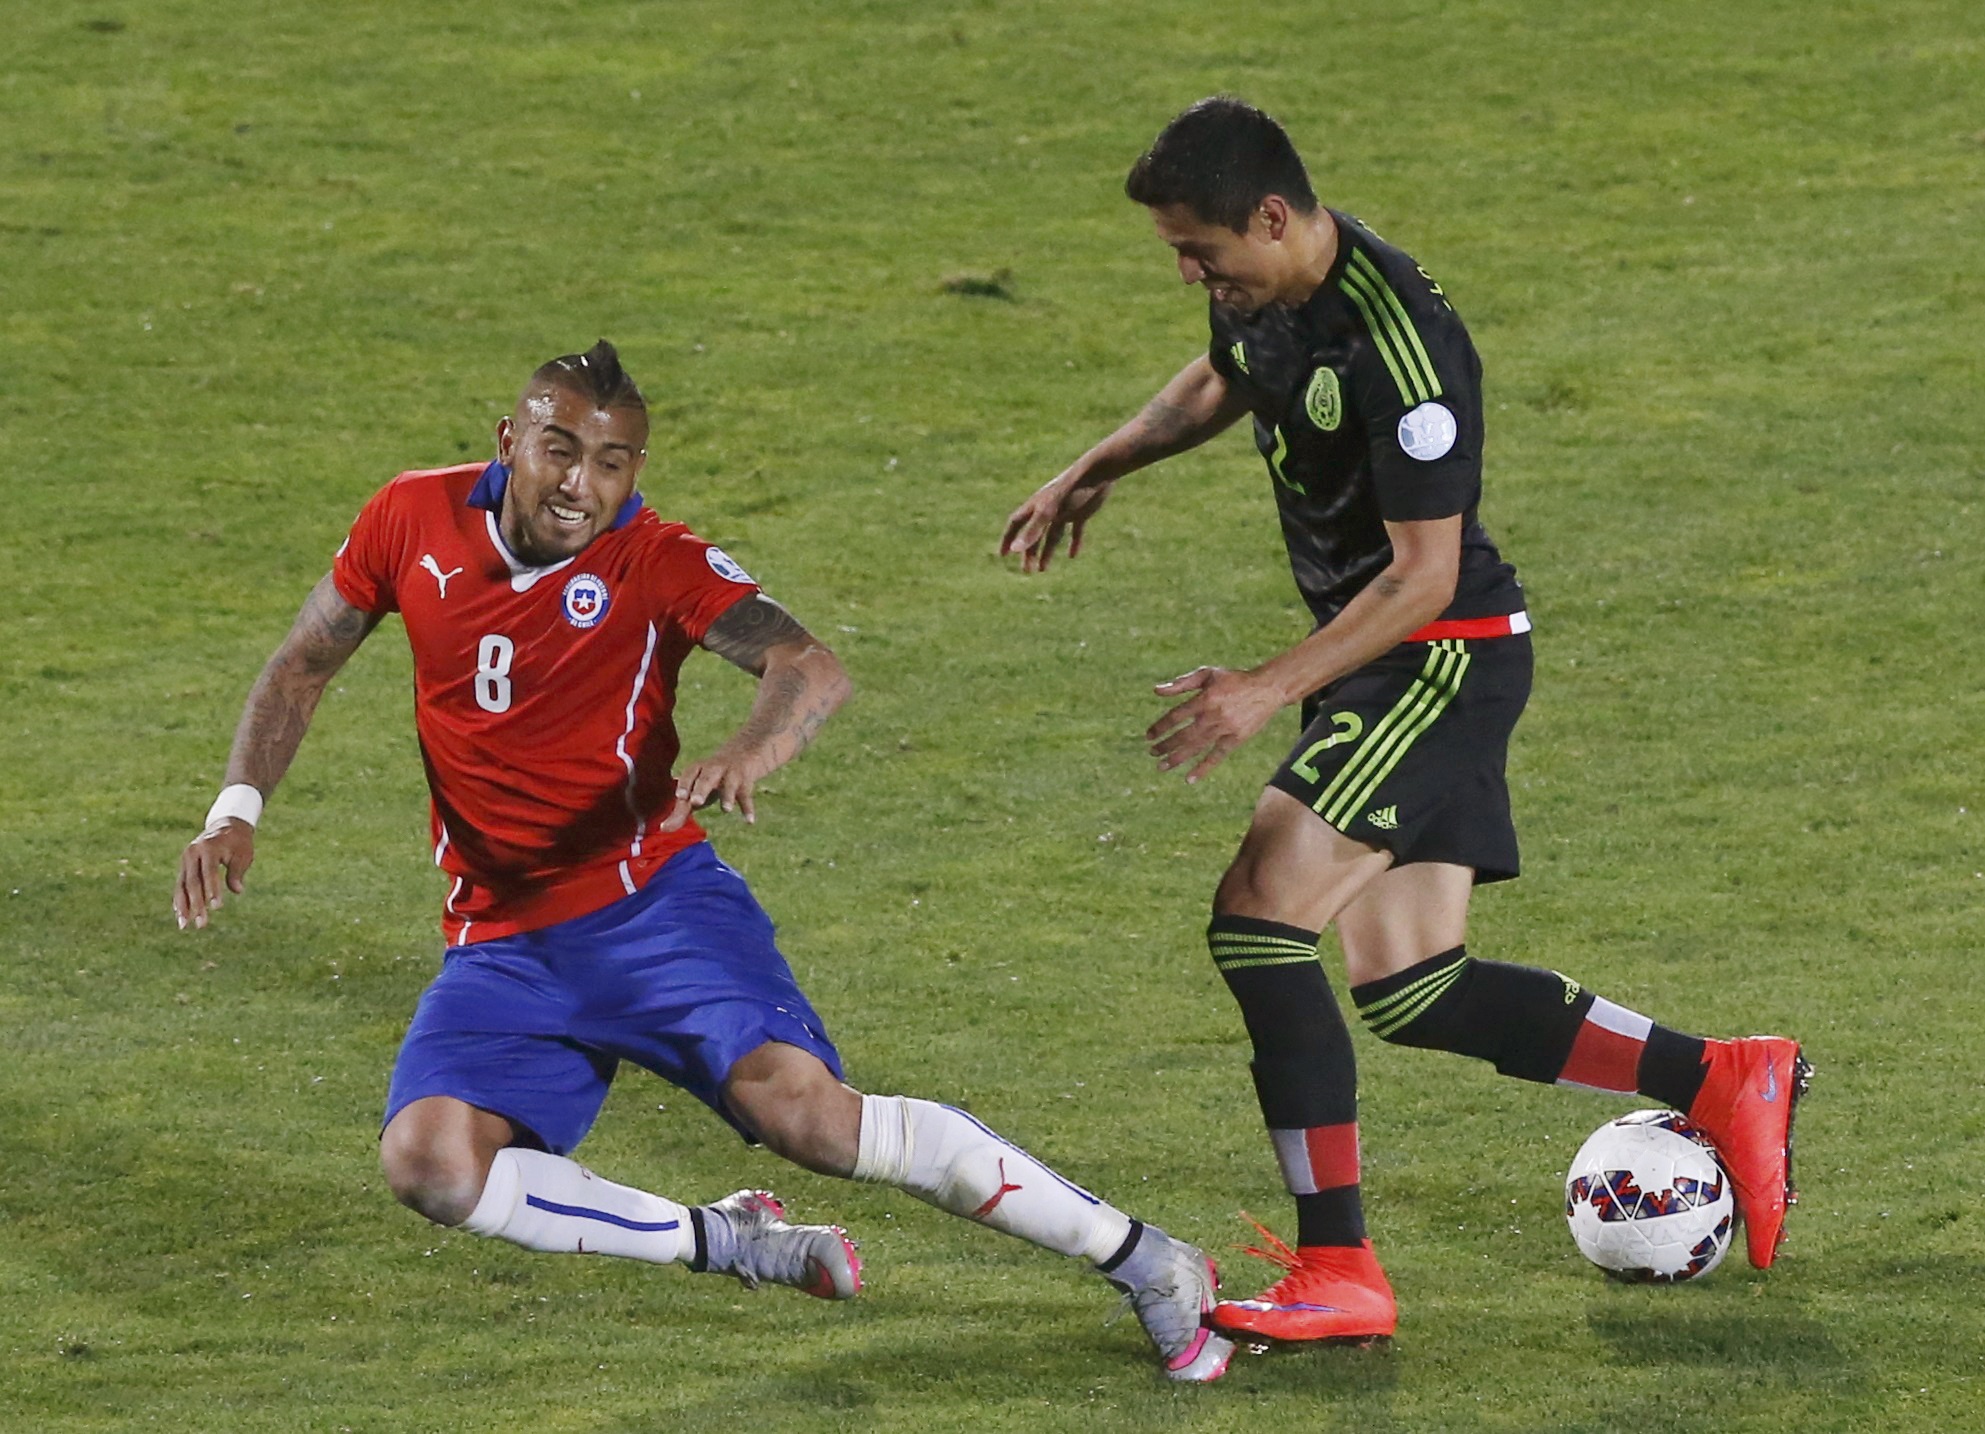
[1349, 728]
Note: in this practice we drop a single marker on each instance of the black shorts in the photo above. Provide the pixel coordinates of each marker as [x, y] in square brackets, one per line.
[1407, 753]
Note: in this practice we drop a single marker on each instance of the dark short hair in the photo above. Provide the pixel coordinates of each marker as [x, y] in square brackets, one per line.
[594, 374]
[1220, 159]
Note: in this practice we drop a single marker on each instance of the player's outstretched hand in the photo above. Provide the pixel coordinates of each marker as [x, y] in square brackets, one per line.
[723, 778]
[1225, 709]
[1034, 529]
[221, 852]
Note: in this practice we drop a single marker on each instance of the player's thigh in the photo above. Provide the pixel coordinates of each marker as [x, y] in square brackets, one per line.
[1403, 917]
[1295, 868]
[493, 1032]
[799, 1107]
[687, 981]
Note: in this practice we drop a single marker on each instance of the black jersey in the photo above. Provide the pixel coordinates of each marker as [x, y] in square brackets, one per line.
[1367, 402]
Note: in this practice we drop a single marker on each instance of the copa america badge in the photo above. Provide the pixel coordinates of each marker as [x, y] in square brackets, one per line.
[1428, 432]
[585, 600]
[724, 565]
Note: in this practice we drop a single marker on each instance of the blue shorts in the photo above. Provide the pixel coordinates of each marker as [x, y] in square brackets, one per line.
[682, 978]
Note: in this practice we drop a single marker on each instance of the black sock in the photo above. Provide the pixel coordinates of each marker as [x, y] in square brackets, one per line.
[700, 1261]
[1671, 1068]
[1123, 1250]
[1305, 1073]
[1533, 1024]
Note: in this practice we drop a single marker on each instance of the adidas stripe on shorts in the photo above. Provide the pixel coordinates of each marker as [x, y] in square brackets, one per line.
[1407, 753]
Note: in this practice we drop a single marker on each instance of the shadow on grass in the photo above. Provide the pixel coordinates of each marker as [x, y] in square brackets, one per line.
[1041, 1379]
[1334, 1370]
[1772, 1341]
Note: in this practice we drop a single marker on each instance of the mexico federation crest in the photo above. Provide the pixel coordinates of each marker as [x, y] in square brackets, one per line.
[1427, 432]
[585, 600]
[724, 565]
[1324, 401]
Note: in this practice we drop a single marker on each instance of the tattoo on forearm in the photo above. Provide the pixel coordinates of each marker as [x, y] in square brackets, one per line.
[750, 629]
[326, 633]
[1165, 427]
[797, 695]
[781, 709]
[328, 629]
[1388, 586]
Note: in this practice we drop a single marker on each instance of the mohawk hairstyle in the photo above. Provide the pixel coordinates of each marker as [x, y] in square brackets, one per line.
[1220, 159]
[596, 374]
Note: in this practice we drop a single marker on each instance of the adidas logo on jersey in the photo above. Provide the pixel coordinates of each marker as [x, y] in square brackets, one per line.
[1386, 819]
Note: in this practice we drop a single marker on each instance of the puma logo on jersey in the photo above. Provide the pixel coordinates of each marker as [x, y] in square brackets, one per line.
[1386, 819]
[427, 561]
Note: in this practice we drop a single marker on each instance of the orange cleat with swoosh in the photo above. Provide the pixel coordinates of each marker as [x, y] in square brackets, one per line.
[1750, 1090]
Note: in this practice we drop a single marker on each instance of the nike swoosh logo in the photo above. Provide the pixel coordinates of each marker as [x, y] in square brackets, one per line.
[1770, 1091]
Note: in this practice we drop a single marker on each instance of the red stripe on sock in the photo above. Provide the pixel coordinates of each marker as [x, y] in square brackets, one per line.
[1603, 1060]
[1333, 1153]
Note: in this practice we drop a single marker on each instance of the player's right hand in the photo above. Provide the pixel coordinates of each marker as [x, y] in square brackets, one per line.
[221, 852]
[1064, 505]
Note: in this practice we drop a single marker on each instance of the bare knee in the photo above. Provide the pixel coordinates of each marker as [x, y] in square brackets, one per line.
[797, 1108]
[436, 1158]
[1295, 868]
[1249, 887]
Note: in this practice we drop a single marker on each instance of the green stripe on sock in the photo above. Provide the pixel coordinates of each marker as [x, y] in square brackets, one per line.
[1385, 1025]
[1259, 943]
[1239, 963]
[1385, 1005]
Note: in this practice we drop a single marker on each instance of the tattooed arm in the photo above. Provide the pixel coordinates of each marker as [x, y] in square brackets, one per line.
[800, 683]
[326, 633]
[1194, 406]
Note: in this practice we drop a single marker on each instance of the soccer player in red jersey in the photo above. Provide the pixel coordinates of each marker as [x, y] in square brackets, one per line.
[1365, 393]
[587, 919]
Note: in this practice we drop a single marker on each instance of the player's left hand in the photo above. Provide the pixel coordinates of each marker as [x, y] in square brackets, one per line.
[724, 778]
[1225, 709]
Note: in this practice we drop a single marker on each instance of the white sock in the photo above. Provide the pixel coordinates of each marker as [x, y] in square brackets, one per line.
[546, 1202]
[944, 1157]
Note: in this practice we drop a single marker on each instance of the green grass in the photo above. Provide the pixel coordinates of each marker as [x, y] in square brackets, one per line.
[1720, 261]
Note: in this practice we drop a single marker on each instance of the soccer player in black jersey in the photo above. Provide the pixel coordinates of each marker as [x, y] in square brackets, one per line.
[1365, 395]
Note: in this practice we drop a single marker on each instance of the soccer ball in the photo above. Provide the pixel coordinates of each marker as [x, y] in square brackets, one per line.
[1648, 1199]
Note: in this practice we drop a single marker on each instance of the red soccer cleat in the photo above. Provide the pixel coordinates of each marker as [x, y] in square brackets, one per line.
[1746, 1103]
[1333, 1293]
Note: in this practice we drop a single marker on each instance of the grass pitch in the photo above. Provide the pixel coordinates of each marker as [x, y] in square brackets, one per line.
[1720, 262]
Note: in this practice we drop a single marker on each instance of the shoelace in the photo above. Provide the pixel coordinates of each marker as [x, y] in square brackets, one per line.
[1278, 1252]
[1128, 1304]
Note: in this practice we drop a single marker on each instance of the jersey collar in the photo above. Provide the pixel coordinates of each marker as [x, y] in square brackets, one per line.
[489, 489]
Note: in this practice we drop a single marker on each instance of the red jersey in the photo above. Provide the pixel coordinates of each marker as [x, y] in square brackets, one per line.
[544, 697]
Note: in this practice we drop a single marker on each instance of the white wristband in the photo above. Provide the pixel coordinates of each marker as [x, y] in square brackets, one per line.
[239, 802]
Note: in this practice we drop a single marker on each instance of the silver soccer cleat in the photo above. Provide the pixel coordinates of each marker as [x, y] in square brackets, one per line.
[1171, 1287]
[746, 1235]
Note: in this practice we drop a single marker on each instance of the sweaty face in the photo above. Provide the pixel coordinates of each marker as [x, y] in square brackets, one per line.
[1239, 270]
[572, 464]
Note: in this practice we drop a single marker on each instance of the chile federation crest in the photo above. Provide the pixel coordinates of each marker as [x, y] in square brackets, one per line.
[585, 600]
